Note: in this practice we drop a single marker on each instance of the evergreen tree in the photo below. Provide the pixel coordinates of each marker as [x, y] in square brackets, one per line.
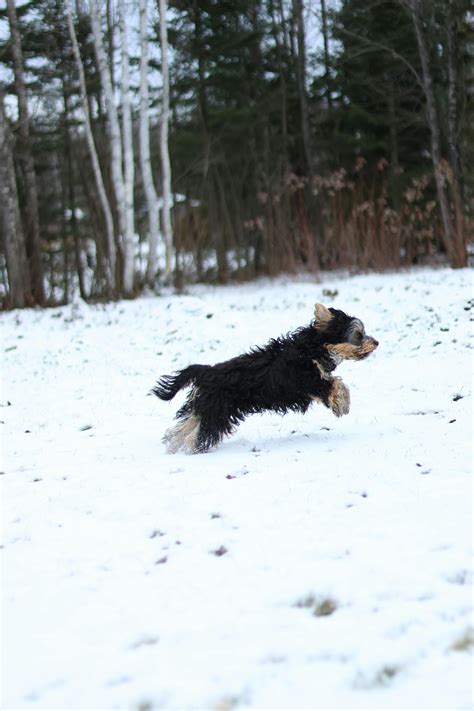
[380, 97]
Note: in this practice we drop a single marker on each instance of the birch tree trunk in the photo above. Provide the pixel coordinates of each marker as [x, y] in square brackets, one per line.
[145, 163]
[110, 38]
[129, 171]
[164, 150]
[453, 238]
[104, 201]
[10, 222]
[115, 147]
[32, 230]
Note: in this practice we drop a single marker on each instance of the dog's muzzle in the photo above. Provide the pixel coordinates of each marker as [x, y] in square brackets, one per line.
[346, 351]
[368, 346]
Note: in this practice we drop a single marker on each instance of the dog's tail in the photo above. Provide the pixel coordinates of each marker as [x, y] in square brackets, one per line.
[168, 385]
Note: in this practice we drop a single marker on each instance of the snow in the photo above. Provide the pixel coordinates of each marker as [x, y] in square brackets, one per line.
[135, 579]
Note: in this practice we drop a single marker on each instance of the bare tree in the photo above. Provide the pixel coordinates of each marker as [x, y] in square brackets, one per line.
[116, 154]
[453, 233]
[129, 169]
[327, 64]
[453, 94]
[164, 149]
[10, 222]
[277, 30]
[104, 201]
[145, 163]
[32, 229]
[110, 23]
[301, 76]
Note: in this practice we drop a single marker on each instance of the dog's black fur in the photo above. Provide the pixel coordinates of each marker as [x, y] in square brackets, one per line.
[287, 374]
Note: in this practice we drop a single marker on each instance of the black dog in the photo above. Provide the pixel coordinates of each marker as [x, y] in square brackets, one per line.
[289, 373]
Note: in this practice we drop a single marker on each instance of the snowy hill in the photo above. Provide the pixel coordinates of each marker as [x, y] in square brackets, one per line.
[308, 563]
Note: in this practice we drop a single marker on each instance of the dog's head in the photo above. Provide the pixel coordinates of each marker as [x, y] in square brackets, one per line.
[344, 336]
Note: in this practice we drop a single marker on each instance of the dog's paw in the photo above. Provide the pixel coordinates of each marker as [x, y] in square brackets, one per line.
[339, 398]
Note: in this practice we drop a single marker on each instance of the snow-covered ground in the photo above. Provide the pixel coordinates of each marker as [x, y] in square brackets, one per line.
[308, 563]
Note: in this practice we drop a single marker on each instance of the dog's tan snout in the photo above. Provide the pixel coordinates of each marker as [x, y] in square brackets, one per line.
[369, 345]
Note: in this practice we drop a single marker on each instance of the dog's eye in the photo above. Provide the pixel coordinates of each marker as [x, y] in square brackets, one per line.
[358, 338]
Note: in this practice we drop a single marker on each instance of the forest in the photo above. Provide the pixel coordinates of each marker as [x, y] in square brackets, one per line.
[159, 143]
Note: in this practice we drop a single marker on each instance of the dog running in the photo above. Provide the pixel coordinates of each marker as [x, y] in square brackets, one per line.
[288, 374]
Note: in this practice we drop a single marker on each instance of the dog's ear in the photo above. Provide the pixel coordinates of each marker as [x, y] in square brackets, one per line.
[322, 317]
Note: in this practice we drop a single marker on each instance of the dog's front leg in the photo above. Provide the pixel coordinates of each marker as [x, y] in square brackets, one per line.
[339, 398]
[336, 395]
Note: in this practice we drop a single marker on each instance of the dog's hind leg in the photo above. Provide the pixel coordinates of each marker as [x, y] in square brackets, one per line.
[183, 436]
[197, 433]
[213, 428]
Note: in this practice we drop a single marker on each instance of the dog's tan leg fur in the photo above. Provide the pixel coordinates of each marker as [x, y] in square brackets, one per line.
[183, 436]
[339, 398]
[323, 373]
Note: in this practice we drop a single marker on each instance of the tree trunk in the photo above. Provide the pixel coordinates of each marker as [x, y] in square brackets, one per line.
[72, 200]
[453, 238]
[145, 163]
[110, 38]
[393, 143]
[104, 201]
[453, 97]
[115, 141]
[283, 91]
[327, 68]
[129, 169]
[32, 230]
[10, 222]
[164, 149]
[301, 75]
[307, 212]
